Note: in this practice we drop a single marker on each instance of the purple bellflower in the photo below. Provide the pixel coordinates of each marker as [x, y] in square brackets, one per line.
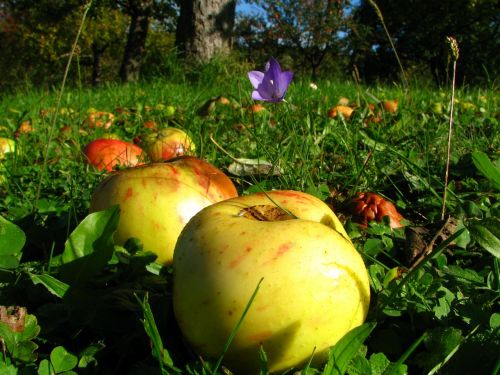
[272, 84]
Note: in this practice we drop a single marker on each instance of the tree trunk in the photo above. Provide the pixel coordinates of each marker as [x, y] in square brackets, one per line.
[97, 53]
[136, 40]
[205, 28]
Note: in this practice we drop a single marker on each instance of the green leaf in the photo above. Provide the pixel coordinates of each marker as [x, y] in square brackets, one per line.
[19, 344]
[378, 363]
[62, 360]
[45, 368]
[346, 349]
[495, 321]
[90, 246]
[487, 234]
[7, 368]
[12, 240]
[53, 285]
[96, 227]
[487, 168]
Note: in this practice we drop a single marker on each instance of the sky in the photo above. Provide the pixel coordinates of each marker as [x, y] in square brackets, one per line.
[244, 7]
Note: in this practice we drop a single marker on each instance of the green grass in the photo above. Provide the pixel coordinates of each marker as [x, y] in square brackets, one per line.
[441, 316]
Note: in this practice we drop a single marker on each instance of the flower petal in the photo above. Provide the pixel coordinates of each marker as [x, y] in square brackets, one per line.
[256, 96]
[255, 78]
[282, 81]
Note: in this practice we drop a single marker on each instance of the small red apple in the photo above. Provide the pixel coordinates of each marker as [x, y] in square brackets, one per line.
[167, 143]
[105, 154]
[157, 200]
[370, 206]
[390, 106]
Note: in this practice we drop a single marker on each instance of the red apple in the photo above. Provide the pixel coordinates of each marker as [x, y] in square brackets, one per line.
[105, 154]
[157, 200]
[167, 143]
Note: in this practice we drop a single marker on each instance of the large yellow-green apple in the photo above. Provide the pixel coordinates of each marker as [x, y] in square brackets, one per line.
[315, 285]
[106, 154]
[167, 143]
[157, 200]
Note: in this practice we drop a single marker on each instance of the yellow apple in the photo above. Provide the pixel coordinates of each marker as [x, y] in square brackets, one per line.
[315, 285]
[7, 145]
[157, 200]
[167, 143]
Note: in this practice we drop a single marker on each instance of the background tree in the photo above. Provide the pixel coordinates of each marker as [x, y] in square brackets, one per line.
[205, 28]
[419, 29]
[307, 29]
[141, 13]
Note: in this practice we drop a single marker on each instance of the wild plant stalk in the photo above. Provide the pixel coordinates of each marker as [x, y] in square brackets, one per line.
[381, 18]
[454, 54]
[58, 104]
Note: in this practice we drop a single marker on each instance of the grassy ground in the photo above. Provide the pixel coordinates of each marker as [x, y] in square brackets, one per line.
[439, 315]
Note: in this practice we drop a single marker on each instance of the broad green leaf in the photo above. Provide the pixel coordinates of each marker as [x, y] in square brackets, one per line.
[346, 349]
[487, 234]
[90, 246]
[96, 227]
[62, 360]
[487, 168]
[12, 240]
[54, 286]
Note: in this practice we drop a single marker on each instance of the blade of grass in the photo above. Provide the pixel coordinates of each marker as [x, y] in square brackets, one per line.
[454, 48]
[58, 104]
[381, 18]
[236, 327]
[393, 368]
[438, 367]
[159, 352]
[346, 348]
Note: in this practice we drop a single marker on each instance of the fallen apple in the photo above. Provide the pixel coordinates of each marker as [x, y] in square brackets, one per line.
[314, 285]
[390, 106]
[157, 200]
[7, 145]
[167, 143]
[25, 128]
[343, 109]
[106, 154]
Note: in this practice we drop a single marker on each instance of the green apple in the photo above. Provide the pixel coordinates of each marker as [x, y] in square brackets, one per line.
[157, 200]
[314, 283]
[167, 143]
